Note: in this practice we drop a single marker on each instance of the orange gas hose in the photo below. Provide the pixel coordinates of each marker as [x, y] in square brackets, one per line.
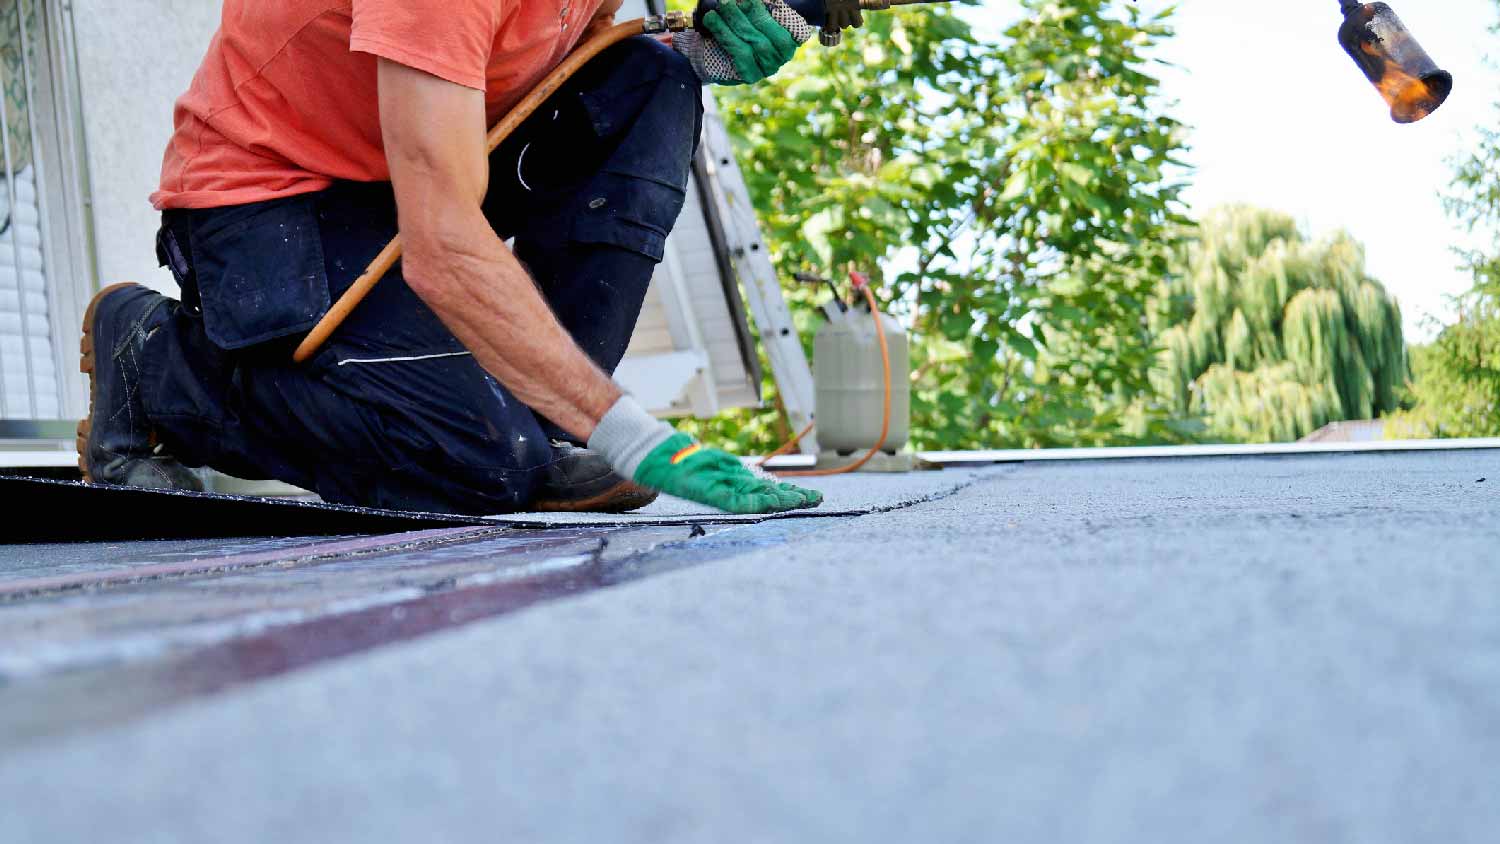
[885, 424]
[787, 446]
[502, 130]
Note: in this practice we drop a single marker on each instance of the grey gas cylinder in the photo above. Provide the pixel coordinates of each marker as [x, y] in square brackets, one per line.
[849, 382]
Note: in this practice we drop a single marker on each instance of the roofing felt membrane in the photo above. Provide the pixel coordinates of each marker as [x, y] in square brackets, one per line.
[42, 510]
[1296, 648]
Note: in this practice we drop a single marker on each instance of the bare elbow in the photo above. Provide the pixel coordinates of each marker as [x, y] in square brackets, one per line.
[427, 265]
[442, 253]
[424, 277]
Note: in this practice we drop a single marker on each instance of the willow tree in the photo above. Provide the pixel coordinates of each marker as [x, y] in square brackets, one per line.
[1269, 335]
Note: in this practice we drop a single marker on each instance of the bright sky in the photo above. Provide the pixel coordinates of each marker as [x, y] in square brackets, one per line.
[1305, 133]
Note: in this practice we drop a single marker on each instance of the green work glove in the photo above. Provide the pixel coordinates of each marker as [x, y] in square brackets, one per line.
[755, 42]
[681, 467]
[649, 452]
[750, 40]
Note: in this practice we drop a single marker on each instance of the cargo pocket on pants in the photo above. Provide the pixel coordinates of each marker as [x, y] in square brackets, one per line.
[259, 271]
[629, 212]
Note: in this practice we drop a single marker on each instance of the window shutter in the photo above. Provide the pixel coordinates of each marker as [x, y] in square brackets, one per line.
[28, 381]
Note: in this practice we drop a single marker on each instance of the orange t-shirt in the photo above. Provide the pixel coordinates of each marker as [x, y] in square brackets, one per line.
[285, 100]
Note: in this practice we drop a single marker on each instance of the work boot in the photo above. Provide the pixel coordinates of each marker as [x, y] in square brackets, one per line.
[115, 443]
[579, 481]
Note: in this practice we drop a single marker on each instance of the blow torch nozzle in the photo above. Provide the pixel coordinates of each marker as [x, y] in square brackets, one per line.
[839, 15]
[1407, 78]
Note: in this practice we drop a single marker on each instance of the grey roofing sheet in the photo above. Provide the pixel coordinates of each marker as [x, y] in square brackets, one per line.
[1293, 649]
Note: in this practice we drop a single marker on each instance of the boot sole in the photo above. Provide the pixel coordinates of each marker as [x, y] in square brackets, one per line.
[87, 365]
[624, 497]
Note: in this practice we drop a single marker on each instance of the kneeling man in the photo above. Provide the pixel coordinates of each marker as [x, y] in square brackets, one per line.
[473, 376]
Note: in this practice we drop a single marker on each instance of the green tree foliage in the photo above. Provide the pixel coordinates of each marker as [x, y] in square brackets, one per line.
[1270, 336]
[1456, 391]
[1013, 200]
[1456, 388]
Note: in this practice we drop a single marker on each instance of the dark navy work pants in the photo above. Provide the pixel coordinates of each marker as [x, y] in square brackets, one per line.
[393, 411]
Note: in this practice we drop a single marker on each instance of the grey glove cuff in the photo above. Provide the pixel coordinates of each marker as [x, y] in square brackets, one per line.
[713, 64]
[626, 435]
[694, 48]
[792, 22]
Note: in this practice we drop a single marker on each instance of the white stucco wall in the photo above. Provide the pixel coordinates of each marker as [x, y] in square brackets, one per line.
[135, 59]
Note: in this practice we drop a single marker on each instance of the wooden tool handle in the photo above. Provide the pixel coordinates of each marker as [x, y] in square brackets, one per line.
[502, 130]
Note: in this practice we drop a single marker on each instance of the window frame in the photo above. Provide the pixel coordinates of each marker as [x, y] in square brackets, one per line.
[60, 162]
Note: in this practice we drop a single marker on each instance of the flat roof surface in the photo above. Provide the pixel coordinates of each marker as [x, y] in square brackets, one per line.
[1287, 648]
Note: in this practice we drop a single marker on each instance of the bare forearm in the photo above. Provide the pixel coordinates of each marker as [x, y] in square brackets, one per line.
[484, 296]
[434, 139]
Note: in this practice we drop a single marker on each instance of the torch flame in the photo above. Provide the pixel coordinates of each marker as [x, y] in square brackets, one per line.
[1410, 98]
